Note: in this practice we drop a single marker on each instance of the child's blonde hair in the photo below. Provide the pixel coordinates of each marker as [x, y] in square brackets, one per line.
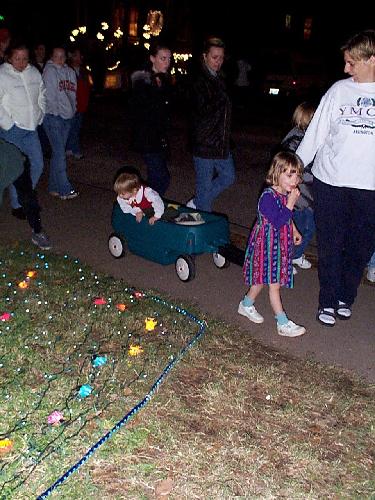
[285, 161]
[361, 46]
[126, 183]
[303, 114]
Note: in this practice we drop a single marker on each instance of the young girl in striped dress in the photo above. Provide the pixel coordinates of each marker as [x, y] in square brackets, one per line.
[269, 253]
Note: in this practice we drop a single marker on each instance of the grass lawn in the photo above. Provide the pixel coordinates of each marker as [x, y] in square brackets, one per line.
[106, 390]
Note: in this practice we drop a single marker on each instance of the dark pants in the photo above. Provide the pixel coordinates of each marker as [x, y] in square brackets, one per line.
[158, 176]
[345, 224]
[27, 199]
[304, 220]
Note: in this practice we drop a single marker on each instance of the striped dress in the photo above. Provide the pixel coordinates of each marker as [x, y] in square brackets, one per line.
[268, 257]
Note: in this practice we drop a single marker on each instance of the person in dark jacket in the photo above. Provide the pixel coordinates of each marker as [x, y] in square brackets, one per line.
[15, 168]
[149, 105]
[211, 125]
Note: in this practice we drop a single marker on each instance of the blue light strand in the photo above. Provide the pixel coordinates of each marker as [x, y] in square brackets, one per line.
[141, 404]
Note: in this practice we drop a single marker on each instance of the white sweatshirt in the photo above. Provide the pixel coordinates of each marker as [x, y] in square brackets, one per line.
[132, 206]
[22, 97]
[341, 136]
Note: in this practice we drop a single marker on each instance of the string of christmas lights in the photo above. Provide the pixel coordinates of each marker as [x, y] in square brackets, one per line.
[80, 379]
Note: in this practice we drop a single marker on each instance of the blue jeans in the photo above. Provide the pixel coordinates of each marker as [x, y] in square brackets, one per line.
[304, 220]
[158, 176]
[212, 177]
[57, 130]
[372, 261]
[28, 142]
[73, 143]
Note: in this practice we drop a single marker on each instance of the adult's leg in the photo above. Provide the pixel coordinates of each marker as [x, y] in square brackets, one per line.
[372, 260]
[204, 170]
[28, 199]
[304, 220]
[32, 149]
[57, 130]
[73, 142]
[360, 241]
[225, 177]
[28, 142]
[331, 218]
[158, 176]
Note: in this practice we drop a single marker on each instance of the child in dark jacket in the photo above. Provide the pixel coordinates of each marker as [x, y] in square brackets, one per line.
[303, 215]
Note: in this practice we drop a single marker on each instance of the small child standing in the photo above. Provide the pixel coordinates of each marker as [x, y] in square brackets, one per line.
[136, 199]
[268, 257]
[303, 215]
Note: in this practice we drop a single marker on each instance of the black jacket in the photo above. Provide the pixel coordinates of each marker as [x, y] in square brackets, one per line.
[211, 116]
[149, 110]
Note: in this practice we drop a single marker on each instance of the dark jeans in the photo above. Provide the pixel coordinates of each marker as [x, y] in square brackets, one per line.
[158, 176]
[304, 221]
[345, 224]
[28, 200]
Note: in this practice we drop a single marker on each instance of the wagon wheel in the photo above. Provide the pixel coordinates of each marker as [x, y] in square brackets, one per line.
[116, 246]
[185, 267]
[220, 261]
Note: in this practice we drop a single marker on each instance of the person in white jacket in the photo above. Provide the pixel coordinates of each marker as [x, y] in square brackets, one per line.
[341, 141]
[22, 108]
[61, 88]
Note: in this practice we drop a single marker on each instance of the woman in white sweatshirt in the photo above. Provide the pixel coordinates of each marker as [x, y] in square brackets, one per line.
[22, 107]
[341, 141]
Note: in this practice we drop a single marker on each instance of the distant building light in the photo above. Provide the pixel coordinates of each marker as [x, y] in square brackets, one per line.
[100, 36]
[146, 46]
[273, 91]
[115, 66]
[104, 25]
[72, 39]
[155, 21]
[307, 28]
[288, 21]
[75, 32]
[82, 29]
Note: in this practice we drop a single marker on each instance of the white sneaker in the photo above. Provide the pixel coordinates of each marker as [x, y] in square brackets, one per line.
[371, 274]
[302, 262]
[191, 203]
[250, 312]
[290, 329]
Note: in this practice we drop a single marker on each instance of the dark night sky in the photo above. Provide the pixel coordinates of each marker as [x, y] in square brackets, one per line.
[246, 26]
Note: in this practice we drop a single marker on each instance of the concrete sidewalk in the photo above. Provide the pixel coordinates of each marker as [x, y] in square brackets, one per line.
[81, 227]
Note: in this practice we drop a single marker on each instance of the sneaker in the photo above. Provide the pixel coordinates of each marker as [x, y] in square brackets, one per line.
[371, 274]
[19, 213]
[191, 203]
[41, 240]
[290, 329]
[69, 196]
[250, 312]
[294, 271]
[343, 311]
[302, 262]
